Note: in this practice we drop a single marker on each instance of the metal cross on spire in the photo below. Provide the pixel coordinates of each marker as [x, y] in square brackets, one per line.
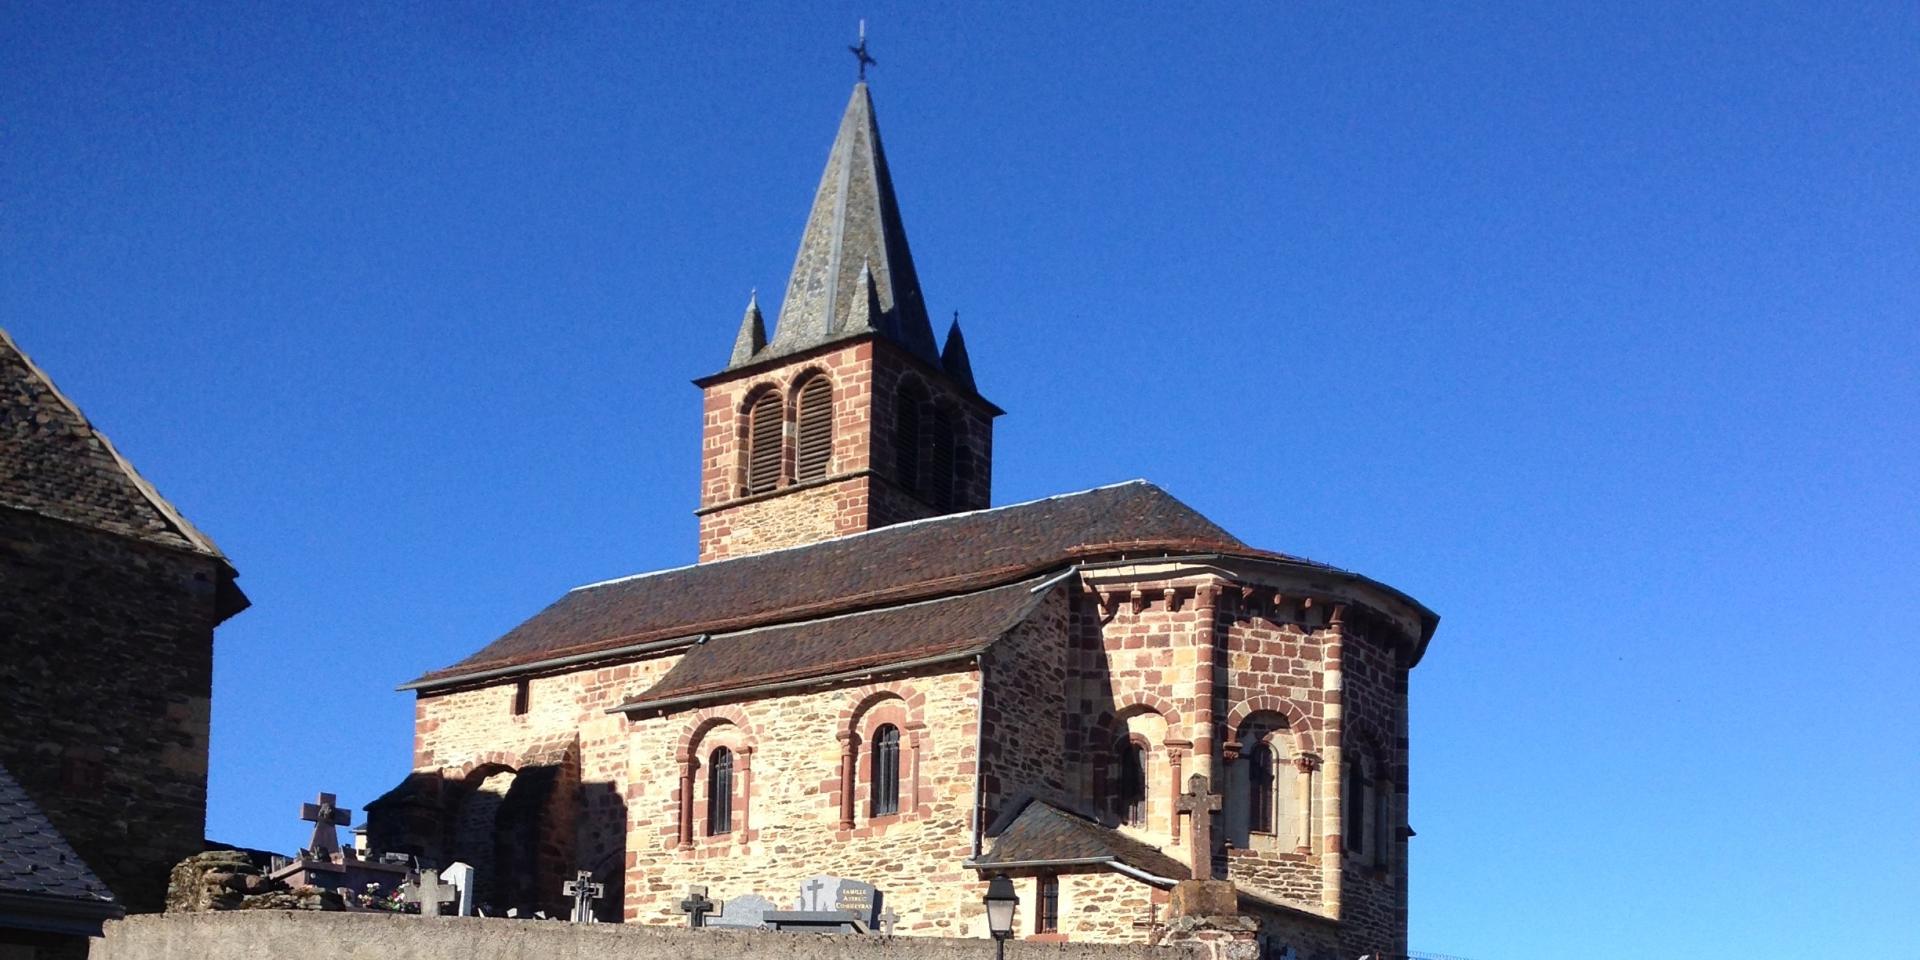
[860, 53]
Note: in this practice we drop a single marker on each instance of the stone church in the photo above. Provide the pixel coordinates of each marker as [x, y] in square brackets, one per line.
[873, 673]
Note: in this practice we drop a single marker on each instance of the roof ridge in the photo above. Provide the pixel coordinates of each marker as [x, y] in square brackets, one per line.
[922, 521]
[187, 531]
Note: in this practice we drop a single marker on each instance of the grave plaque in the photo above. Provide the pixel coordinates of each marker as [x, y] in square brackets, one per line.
[861, 900]
[461, 876]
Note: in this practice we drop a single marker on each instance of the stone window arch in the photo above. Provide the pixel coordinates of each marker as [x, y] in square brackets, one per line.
[1270, 784]
[882, 740]
[715, 797]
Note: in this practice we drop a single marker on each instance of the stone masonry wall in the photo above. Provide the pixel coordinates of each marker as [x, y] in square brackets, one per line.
[248, 935]
[1374, 700]
[1024, 749]
[790, 808]
[861, 489]
[104, 687]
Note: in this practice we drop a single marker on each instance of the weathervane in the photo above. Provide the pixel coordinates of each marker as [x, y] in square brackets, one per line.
[860, 52]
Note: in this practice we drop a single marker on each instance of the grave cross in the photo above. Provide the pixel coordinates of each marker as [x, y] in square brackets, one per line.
[696, 906]
[1198, 803]
[429, 892]
[812, 890]
[584, 892]
[325, 816]
[887, 920]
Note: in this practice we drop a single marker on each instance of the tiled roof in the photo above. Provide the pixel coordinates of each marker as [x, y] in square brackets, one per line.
[884, 567]
[36, 860]
[54, 463]
[927, 630]
[1044, 833]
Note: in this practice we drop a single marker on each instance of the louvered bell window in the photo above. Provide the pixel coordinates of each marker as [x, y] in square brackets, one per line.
[815, 447]
[940, 470]
[906, 438]
[763, 445]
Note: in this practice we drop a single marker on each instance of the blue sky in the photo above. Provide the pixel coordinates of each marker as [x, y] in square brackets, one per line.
[1592, 326]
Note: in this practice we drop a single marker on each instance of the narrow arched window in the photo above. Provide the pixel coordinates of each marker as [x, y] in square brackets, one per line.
[1132, 796]
[1356, 813]
[906, 436]
[720, 792]
[940, 465]
[763, 445]
[813, 445]
[886, 770]
[1260, 789]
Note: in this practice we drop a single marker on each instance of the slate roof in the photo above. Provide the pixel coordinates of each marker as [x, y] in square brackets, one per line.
[929, 630]
[853, 273]
[1043, 833]
[54, 463]
[43, 882]
[889, 566]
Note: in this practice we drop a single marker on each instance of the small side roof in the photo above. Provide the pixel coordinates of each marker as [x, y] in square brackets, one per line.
[1043, 835]
[44, 885]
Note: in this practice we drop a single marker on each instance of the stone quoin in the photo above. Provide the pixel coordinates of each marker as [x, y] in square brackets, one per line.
[871, 672]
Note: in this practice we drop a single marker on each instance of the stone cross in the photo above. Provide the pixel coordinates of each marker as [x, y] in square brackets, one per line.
[429, 892]
[584, 892]
[696, 906]
[887, 920]
[325, 817]
[812, 890]
[1198, 803]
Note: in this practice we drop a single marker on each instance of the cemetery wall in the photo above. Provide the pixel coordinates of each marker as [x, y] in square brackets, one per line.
[249, 935]
[105, 688]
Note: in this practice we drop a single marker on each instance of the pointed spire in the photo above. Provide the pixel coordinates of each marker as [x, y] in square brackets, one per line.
[954, 359]
[753, 333]
[854, 227]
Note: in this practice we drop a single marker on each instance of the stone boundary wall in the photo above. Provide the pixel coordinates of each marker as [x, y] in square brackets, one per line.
[252, 934]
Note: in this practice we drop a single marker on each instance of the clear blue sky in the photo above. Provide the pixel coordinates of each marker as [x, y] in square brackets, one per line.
[1591, 325]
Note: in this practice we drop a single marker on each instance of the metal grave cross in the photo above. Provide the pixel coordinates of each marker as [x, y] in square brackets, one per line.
[325, 816]
[696, 906]
[1198, 803]
[584, 892]
[430, 893]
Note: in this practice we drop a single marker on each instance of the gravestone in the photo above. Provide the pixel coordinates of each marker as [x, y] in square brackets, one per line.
[696, 906]
[429, 892]
[745, 912]
[584, 892]
[325, 816]
[860, 900]
[818, 893]
[887, 920]
[461, 876]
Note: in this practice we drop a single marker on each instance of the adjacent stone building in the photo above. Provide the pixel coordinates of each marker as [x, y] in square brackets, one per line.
[108, 601]
[871, 673]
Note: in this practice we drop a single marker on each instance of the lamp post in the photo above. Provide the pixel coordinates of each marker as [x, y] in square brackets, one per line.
[1000, 903]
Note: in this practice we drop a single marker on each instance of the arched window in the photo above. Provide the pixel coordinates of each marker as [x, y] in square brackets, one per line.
[906, 436]
[1355, 790]
[763, 444]
[1260, 789]
[1132, 795]
[814, 443]
[940, 468]
[720, 792]
[886, 770]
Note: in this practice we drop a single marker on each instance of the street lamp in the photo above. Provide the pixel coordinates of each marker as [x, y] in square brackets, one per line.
[1000, 903]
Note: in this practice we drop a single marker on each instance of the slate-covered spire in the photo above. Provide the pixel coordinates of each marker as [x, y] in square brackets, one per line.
[864, 313]
[953, 357]
[854, 226]
[753, 333]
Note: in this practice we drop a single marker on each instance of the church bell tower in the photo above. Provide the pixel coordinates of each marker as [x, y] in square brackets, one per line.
[849, 417]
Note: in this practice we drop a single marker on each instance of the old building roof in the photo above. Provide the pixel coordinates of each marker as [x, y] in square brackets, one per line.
[44, 885]
[854, 226]
[923, 632]
[888, 566]
[55, 463]
[1044, 835]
